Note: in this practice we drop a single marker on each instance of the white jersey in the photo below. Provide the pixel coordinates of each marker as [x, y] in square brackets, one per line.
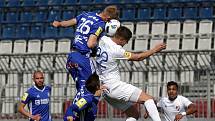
[107, 59]
[172, 108]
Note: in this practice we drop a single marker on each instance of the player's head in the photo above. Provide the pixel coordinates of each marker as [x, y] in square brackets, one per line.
[93, 83]
[110, 12]
[172, 90]
[111, 27]
[38, 78]
[123, 35]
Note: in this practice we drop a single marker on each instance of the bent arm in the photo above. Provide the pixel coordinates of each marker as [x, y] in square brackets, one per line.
[139, 56]
[92, 41]
[23, 111]
[191, 109]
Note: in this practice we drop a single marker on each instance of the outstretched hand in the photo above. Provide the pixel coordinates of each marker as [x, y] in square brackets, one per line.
[159, 47]
[178, 117]
[56, 24]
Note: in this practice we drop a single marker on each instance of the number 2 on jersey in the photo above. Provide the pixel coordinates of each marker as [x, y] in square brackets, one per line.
[102, 57]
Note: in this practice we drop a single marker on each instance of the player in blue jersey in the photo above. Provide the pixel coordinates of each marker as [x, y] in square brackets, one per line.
[90, 27]
[85, 109]
[37, 98]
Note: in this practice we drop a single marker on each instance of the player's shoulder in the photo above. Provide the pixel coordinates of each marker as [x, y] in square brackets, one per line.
[164, 99]
[48, 87]
[30, 90]
[180, 97]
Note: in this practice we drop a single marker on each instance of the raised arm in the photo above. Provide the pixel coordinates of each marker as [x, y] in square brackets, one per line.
[67, 23]
[139, 56]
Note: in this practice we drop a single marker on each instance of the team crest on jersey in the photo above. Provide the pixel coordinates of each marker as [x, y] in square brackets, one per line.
[81, 103]
[24, 97]
[99, 31]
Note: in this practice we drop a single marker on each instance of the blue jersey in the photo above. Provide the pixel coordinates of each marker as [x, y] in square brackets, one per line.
[85, 109]
[87, 24]
[38, 101]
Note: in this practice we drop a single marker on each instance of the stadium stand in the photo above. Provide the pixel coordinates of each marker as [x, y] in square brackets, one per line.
[187, 26]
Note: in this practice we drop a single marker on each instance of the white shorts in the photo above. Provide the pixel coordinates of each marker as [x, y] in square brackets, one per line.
[121, 95]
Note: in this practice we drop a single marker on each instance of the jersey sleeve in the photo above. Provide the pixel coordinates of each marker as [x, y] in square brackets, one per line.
[80, 105]
[26, 97]
[97, 28]
[186, 101]
[79, 16]
[159, 103]
[118, 52]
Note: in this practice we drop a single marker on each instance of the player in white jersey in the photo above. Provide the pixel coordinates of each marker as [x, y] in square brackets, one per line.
[175, 107]
[121, 95]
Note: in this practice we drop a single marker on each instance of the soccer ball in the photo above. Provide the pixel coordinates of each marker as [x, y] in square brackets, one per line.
[111, 27]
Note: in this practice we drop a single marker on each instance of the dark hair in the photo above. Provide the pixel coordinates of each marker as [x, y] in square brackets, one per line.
[123, 32]
[93, 84]
[172, 83]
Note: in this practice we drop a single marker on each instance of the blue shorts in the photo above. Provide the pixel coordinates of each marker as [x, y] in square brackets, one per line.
[80, 66]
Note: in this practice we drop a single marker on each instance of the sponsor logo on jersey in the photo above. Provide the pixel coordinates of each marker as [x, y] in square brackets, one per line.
[41, 101]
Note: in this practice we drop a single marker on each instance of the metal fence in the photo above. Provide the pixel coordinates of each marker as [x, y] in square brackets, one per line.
[193, 70]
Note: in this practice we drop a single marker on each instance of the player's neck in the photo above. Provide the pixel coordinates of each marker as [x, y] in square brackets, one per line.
[39, 87]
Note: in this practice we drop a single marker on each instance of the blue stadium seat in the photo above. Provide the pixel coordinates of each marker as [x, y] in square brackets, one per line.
[115, 1]
[144, 13]
[55, 2]
[174, 13]
[99, 1]
[84, 2]
[28, 3]
[11, 17]
[154, 1]
[54, 15]
[206, 12]
[2, 3]
[42, 2]
[1, 16]
[41, 16]
[159, 13]
[190, 13]
[70, 2]
[22, 31]
[51, 32]
[13, 3]
[128, 14]
[96, 9]
[36, 31]
[66, 32]
[26, 16]
[8, 31]
[68, 14]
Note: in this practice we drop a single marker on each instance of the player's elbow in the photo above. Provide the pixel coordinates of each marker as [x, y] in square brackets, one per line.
[91, 45]
[20, 109]
[192, 107]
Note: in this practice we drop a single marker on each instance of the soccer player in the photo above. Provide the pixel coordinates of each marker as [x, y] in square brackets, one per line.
[122, 94]
[90, 27]
[175, 107]
[37, 98]
[87, 104]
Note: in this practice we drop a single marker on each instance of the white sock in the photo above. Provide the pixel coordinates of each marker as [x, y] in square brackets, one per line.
[152, 110]
[130, 119]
